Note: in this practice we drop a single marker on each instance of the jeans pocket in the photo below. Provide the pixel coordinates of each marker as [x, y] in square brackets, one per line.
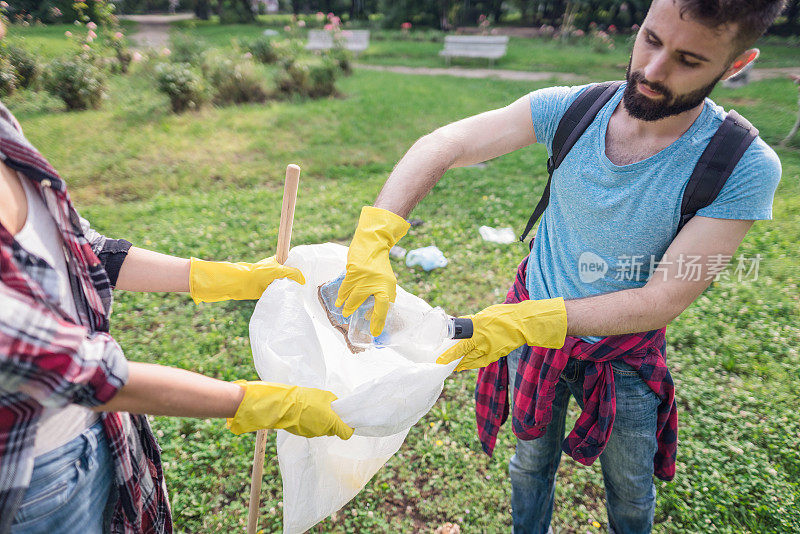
[47, 497]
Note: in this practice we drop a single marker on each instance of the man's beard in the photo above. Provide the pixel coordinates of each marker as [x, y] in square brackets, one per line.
[646, 109]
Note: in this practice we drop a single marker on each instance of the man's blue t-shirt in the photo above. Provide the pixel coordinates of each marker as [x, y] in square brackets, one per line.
[606, 225]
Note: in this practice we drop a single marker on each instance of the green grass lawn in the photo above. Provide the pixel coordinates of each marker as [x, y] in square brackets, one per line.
[209, 184]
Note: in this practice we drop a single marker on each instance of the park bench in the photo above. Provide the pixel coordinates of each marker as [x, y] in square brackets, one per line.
[485, 46]
[354, 40]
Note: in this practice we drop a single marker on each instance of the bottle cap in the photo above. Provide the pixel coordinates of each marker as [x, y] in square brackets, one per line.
[463, 328]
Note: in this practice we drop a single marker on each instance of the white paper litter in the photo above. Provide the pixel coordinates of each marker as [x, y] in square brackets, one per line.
[497, 235]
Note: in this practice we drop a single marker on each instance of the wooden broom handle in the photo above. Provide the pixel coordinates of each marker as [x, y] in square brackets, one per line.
[284, 240]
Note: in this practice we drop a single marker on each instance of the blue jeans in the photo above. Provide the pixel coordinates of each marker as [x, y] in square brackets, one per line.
[70, 488]
[627, 461]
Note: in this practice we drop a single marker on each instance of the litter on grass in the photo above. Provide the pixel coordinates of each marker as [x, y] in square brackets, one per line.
[429, 258]
[497, 235]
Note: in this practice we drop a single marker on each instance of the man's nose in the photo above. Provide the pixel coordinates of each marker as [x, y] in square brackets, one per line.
[657, 68]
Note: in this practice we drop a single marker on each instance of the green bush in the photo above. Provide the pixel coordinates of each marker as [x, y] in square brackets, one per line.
[311, 77]
[25, 63]
[182, 85]
[262, 49]
[8, 77]
[287, 51]
[234, 81]
[76, 81]
[186, 48]
[343, 59]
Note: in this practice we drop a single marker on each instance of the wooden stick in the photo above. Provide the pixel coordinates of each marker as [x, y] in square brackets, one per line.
[284, 239]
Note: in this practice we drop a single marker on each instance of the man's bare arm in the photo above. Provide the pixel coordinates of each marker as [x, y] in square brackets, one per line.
[667, 293]
[466, 142]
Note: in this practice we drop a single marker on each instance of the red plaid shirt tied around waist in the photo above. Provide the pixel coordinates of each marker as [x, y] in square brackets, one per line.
[538, 373]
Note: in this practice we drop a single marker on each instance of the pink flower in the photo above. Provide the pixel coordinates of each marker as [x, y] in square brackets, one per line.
[330, 16]
[89, 39]
[481, 18]
[92, 34]
[68, 33]
[301, 23]
[165, 52]
[86, 47]
[118, 35]
[578, 33]
[405, 26]
[320, 15]
[136, 57]
[612, 29]
[91, 25]
[335, 20]
[635, 27]
[247, 55]
[287, 28]
[592, 25]
[329, 27]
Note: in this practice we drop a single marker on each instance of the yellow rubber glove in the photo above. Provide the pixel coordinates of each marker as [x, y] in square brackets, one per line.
[369, 271]
[213, 281]
[303, 411]
[501, 328]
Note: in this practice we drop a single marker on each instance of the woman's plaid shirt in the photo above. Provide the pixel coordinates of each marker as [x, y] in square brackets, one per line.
[49, 360]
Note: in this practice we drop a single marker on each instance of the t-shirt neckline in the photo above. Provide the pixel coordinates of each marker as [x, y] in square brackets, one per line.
[605, 117]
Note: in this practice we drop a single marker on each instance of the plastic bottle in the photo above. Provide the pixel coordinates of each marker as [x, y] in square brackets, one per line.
[404, 326]
[428, 258]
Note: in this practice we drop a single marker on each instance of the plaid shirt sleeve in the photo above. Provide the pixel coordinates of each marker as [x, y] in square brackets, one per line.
[53, 360]
[110, 252]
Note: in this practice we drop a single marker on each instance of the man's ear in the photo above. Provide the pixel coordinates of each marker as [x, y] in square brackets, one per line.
[741, 61]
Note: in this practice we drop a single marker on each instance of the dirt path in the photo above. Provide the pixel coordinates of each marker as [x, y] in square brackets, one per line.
[153, 30]
[527, 76]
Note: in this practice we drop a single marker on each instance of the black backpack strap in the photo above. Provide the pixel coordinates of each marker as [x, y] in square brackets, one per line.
[576, 120]
[717, 162]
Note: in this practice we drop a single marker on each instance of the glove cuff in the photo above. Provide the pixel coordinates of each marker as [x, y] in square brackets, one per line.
[546, 322]
[388, 225]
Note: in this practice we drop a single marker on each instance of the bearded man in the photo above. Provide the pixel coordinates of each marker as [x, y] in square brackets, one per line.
[578, 321]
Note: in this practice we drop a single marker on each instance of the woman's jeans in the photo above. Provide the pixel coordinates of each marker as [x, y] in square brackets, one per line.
[70, 488]
[627, 461]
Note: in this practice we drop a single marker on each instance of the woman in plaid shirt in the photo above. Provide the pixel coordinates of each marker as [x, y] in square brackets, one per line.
[76, 455]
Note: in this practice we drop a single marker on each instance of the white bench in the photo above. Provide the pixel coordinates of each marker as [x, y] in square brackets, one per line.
[354, 40]
[488, 46]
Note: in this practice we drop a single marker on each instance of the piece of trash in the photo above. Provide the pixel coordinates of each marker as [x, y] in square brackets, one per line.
[448, 528]
[397, 252]
[497, 235]
[415, 222]
[405, 326]
[428, 258]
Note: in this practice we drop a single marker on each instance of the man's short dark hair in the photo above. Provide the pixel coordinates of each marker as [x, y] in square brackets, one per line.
[752, 16]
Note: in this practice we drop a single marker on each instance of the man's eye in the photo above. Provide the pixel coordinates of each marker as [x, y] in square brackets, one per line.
[690, 64]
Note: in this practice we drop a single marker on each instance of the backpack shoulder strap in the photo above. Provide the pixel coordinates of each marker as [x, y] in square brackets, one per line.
[716, 164]
[573, 123]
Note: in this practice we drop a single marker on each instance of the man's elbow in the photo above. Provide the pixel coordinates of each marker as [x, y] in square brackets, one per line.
[666, 306]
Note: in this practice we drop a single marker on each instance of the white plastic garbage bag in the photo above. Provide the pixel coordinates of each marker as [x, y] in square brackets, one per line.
[381, 392]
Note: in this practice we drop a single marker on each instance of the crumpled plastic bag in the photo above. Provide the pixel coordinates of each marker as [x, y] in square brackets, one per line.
[381, 393]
